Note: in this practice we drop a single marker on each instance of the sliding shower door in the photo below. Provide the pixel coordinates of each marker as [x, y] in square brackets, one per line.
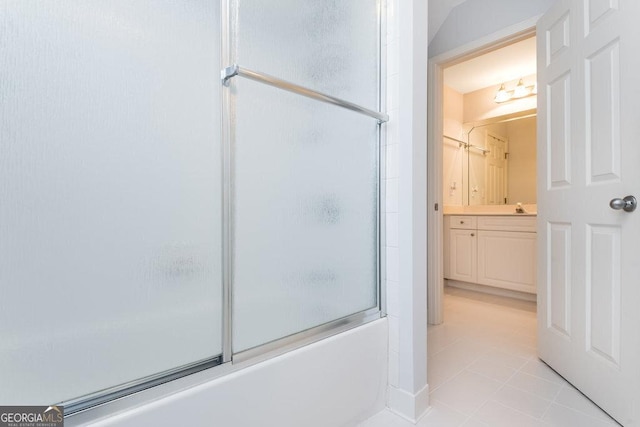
[154, 222]
[304, 174]
[110, 195]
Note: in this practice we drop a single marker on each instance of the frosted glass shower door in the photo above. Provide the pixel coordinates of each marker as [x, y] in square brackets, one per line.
[305, 174]
[110, 194]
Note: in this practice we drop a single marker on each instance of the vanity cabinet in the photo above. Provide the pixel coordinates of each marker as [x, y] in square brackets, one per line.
[497, 251]
[463, 249]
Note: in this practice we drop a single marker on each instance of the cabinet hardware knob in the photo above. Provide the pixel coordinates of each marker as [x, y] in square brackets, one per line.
[472, 234]
[461, 222]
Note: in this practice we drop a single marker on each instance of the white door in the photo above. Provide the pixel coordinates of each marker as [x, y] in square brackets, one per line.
[496, 172]
[589, 153]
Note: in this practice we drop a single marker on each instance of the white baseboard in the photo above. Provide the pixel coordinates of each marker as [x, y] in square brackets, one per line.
[407, 405]
[490, 290]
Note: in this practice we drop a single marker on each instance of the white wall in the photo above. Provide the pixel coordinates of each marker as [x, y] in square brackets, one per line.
[406, 208]
[339, 381]
[438, 12]
[475, 19]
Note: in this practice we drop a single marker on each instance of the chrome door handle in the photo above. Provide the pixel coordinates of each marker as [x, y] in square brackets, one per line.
[628, 204]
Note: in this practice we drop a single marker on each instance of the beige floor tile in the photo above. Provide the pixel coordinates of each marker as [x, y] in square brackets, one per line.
[561, 416]
[535, 385]
[522, 401]
[466, 392]
[573, 399]
[495, 414]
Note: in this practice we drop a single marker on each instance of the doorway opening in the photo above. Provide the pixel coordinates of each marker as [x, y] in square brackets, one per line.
[475, 146]
[483, 155]
[489, 164]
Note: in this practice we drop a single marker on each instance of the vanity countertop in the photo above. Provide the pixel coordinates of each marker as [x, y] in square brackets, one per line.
[490, 214]
[530, 209]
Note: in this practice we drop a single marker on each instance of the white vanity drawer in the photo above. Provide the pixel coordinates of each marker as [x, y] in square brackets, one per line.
[463, 221]
[507, 223]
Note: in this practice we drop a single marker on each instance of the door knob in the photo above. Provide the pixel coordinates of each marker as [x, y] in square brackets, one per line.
[628, 204]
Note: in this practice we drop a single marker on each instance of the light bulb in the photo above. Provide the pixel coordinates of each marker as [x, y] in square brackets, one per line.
[521, 90]
[502, 95]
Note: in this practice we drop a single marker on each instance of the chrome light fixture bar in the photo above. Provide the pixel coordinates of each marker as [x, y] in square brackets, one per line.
[236, 70]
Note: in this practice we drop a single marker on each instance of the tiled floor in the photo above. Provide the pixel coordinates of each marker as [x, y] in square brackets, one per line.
[483, 371]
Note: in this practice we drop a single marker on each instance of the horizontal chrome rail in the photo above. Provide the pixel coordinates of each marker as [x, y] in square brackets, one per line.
[302, 338]
[103, 396]
[466, 145]
[236, 70]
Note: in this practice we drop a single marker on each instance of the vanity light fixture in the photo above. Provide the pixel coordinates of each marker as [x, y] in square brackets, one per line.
[520, 91]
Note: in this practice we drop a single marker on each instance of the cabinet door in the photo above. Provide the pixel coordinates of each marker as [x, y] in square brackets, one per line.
[507, 259]
[462, 255]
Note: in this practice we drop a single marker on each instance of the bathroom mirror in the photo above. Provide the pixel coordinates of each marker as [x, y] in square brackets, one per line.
[499, 161]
